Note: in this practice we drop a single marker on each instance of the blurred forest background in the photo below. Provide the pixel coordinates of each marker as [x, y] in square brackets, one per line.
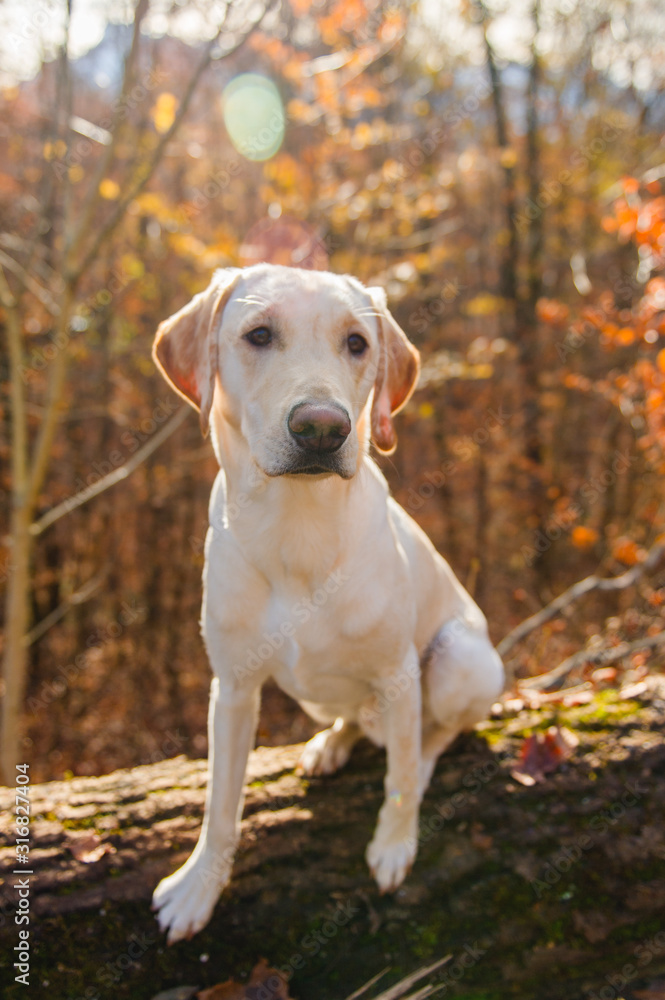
[497, 166]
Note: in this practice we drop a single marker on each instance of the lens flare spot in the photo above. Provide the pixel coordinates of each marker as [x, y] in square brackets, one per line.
[254, 116]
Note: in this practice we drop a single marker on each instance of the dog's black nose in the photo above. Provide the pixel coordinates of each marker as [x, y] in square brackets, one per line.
[322, 427]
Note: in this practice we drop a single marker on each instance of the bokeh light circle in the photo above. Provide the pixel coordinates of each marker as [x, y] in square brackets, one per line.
[254, 116]
[286, 240]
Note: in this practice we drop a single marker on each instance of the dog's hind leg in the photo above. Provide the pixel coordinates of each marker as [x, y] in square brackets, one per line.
[462, 678]
[329, 750]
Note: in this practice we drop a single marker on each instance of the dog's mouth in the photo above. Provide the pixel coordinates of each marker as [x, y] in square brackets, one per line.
[321, 467]
[316, 470]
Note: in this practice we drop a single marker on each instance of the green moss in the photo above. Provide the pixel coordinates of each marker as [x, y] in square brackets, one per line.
[85, 823]
[492, 737]
[50, 816]
[602, 714]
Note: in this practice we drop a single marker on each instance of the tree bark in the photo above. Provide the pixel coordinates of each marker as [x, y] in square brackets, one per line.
[508, 872]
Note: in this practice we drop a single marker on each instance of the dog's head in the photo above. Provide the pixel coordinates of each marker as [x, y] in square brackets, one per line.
[306, 364]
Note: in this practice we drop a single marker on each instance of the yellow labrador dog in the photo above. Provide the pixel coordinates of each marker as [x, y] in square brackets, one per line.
[314, 575]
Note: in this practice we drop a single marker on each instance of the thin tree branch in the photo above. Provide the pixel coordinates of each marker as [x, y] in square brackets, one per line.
[92, 198]
[580, 589]
[368, 985]
[84, 593]
[36, 258]
[144, 176]
[535, 231]
[58, 370]
[74, 273]
[17, 391]
[140, 182]
[423, 237]
[65, 110]
[82, 497]
[553, 678]
[56, 382]
[399, 989]
[29, 283]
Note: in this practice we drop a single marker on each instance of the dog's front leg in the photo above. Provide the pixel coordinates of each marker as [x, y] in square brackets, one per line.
[186, 899]
[393, 847]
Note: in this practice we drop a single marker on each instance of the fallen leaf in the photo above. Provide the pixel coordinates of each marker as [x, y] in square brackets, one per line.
[479, 839]
[265, 983]
[594, 924]
[230, 990]
[604, 675]
[630, 691]
[656, 991]
[89, 847]
[578, 695]
[542, 753]
[576, 698]
[177, 993]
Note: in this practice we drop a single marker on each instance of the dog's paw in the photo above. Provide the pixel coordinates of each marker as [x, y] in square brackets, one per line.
[390, 863]
[185, 900]
[328, 751]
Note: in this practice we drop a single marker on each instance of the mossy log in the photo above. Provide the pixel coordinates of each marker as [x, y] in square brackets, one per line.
[552, 891]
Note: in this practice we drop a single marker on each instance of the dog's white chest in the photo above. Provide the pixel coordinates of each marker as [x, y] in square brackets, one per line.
[307, 659]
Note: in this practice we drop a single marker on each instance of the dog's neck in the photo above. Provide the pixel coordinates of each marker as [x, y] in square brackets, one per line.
[286, 525]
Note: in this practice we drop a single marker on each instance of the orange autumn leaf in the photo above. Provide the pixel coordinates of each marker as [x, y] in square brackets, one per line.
[263, 981]
[654, 400]
[543, 753]
[660, 360]
[574, 381]
[583, 538]
[550, 311]
[627, 551]
[88, 847]
[593, 315]
[625, 336]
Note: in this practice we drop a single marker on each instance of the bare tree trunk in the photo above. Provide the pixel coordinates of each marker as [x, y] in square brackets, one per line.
[482, 878]
[28, 475]
[508, 266]
[535, 230]
[530, 360]
[527, 326]
[17, 602]
[17, 611]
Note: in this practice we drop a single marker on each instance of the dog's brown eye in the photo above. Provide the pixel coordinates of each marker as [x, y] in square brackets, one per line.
[356, 343]
[260, 337]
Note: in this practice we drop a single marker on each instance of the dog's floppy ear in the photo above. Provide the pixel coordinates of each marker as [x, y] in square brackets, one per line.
[396, 376]
[185, 347]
